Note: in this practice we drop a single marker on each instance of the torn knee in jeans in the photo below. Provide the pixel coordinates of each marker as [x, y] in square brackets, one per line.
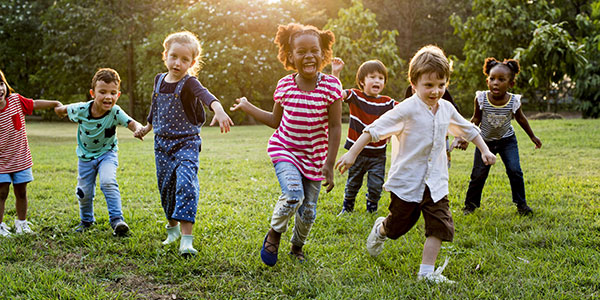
[80, 193]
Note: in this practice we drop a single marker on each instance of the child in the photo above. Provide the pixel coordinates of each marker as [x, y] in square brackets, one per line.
[494, 110]
[15, 157]
[418, 177]
[307, 117]
[366, 105]
[176, 116]
[97, 148]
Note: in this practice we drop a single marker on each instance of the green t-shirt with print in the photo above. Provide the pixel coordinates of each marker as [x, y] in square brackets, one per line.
[96, 136]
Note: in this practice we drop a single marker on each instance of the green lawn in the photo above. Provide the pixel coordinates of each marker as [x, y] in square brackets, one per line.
[496, 253]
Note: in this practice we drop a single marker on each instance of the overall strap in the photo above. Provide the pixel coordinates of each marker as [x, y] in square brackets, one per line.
[180, 85]
[159, 82]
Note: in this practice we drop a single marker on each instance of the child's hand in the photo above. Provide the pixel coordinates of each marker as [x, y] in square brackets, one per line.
[61, 111]
[328, 174]
[242, 103]
[337, 64]
[488, 158]
[224, 120]
[140, 132]
[459, 143]
[537, 142]
[345, 162]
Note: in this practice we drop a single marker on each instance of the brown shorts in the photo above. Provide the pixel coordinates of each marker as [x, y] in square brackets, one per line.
[404, 215]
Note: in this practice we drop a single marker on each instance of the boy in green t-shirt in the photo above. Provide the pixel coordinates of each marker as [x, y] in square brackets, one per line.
[97, 148]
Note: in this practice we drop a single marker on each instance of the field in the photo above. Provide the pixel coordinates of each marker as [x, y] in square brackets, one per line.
[496, 254]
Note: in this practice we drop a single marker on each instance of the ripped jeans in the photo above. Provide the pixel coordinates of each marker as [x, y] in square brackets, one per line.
[298, 196]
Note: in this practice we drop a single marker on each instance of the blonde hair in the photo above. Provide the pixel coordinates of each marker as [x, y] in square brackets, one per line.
[189, 39]
[429, 59]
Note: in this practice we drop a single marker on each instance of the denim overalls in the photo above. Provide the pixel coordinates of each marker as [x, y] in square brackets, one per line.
[176, 148]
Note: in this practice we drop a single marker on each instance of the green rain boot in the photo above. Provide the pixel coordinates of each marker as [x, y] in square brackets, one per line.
[173, 233]
[186, 246]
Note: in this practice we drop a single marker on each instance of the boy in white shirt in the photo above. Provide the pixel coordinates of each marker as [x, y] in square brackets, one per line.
[418, 177]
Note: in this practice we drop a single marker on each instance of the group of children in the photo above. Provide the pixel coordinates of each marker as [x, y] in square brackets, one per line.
[306, 116]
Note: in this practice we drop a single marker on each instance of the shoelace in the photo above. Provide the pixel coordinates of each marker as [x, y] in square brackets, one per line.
[4, 226]
[439, 270]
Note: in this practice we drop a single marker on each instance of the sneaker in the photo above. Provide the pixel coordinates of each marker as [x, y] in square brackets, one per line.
[375, 240]
[22, 227]
[467, 210]
[524, 210]
[436, 276]
[119, 227]
[371, 206]
[4, 230]
[83, 226]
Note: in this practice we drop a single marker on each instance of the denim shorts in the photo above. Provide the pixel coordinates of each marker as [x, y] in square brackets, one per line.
[17, 177]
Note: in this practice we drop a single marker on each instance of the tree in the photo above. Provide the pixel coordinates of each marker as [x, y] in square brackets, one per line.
[587, 83]
[551, 55]
[358, 39]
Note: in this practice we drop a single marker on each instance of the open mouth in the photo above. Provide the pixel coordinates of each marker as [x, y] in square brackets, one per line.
[309, 67]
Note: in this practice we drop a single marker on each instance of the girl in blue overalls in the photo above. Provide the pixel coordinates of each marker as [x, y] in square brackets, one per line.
[176, 115]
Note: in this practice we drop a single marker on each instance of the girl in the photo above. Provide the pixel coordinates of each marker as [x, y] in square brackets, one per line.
[307, 116]
[176, 115]
[15, 157]
[493, 111]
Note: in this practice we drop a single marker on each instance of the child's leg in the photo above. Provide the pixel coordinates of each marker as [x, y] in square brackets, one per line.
[356, 174]
[305, 216]
[509, 152]
[479, 175]
[431, 249]
[20, 191]
[4, 188]
[86, 189]
[375, 180]
[439, 227]
[107, 174]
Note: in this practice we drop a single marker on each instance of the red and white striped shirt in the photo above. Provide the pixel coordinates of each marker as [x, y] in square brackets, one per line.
[14, 149]
[302, 135]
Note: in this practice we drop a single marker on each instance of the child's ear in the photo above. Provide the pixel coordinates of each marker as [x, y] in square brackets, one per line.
[92, 93]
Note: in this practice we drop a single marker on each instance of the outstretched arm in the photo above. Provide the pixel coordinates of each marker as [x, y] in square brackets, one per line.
[44, 104]
[61, 111]
[221, 117]
[337, 64]
[522, 120]
[348, 159]
[271, 119]
[135, 126]
[335, 133]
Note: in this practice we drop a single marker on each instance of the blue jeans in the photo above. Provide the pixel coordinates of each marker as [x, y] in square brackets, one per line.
[374, 167]
[105, 167]
[298, 196]
[509, 152]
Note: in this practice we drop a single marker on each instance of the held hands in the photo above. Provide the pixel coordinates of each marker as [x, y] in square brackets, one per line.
[60, 110]
[141, 131]
[337, 64]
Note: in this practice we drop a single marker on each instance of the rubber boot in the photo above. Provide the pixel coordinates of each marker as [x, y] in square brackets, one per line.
[173, 233]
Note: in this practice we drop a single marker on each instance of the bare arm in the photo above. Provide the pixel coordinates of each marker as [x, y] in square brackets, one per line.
[61, 111]
[488, 157]
[135, 126]
[44, 104]
[335, 133]
[271, 119]
[348, 159]
[337, 64]
[522, 120]
[141, 131]
[476, 119]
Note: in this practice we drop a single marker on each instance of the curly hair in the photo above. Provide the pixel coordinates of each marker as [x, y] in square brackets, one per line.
[190, 40]
[512, 65]
[287, 33]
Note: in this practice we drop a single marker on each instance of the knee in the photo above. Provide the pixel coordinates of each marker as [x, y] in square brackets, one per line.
[308, 213]
[108, 183]
[84, 194]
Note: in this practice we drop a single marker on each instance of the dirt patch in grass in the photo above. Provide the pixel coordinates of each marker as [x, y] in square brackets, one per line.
[141, 287]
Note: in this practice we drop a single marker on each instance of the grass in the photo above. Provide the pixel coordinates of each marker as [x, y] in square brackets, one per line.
[496, 253]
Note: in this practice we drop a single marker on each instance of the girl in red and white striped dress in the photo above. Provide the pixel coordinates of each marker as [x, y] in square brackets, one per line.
[307, 117]
[15, 157]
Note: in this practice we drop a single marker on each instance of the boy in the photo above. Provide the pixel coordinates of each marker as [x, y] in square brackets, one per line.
[97, 148]
[418, 178]
[366, 105]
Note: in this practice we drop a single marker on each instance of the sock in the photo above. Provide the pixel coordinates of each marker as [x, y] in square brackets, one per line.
[426, 269]
[17, 221]
[378, 231]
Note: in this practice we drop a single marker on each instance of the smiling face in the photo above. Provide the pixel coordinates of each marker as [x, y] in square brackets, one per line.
[178, 60]
[105, 96]
[373, 84]
[306, 55]
[430, 88]
[499, 81]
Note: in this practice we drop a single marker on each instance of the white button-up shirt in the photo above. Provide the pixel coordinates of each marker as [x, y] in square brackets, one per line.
[419, 153]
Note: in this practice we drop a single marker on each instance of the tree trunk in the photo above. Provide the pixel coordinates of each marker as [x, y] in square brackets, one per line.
[131, 78]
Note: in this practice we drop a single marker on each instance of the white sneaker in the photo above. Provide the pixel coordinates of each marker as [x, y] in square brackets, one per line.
[4, 230]
[375, 241]
[22, 227]
[436, 276]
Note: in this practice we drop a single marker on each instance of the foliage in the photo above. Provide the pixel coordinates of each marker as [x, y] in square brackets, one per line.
[587, 85]
[358, 39]
[551, 56]
[240, 58]
[495, 29]
[496, 254]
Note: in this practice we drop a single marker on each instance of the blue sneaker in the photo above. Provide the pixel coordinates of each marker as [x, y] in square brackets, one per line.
[269, 257]
[83, 226]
